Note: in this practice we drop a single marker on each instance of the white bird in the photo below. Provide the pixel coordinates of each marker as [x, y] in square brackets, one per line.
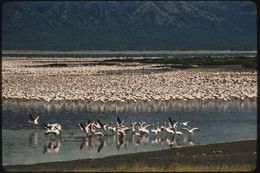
[133, 126]
[168, 130]
[99, 125]
[156, 131]
[175, 125]
[191, 131]
[171, 125]
[143, 129]
[178, 132]
[84, 129]
[119, 123]
[57, 125]
[185, 123]
[98, 133]
[32, 120]
[106, 126]
[113, 129]
[122, 131]
[52, 130]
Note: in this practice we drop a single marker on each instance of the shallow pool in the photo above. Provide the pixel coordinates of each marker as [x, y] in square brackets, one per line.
[218, 121]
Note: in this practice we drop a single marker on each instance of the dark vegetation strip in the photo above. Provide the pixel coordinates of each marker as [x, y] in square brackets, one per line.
[180, 63]
[50, 65]
[248, 62]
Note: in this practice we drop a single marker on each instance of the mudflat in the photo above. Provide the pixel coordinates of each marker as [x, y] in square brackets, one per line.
[229, 156]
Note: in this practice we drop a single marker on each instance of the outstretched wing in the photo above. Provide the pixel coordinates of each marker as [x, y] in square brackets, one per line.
[171, 123]
[118, 120]
[81, 126]
[184, 128]
[31, 118]
[195, 128]
[100, 123]
[36, 119]
[46, 126]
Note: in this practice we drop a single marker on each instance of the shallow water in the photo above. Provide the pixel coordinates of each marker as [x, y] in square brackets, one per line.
[23, 144]
[116, 54]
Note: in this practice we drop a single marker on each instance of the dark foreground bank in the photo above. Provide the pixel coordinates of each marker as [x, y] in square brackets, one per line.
[229, 156]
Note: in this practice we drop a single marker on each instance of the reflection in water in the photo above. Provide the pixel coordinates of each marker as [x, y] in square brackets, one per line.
[155, 106]
[97, 143]
[34, 139]
[52, 144]
[121, 142]
[92, 143]
[219, 122]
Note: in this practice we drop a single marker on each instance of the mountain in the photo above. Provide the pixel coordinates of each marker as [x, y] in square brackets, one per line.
[129, 25]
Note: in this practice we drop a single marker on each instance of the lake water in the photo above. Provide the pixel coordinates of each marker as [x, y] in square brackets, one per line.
[23, 144]
[131, 54]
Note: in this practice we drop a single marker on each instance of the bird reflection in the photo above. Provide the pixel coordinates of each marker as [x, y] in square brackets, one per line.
[171, 141]
[142, 139]
[121, 141]
[156, 140]
[33, 138]
[97, 143]
[100, 146]
[52, 144]
[87, 142]
[92, 142]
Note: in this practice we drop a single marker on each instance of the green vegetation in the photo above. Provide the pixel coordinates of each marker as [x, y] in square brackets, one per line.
[183, 63]
[51, 65]
[171, 63]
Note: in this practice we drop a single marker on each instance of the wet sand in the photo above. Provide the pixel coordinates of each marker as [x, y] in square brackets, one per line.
[229, 156]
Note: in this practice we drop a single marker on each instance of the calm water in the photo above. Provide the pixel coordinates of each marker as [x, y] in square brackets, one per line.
[125, 55]
[23, 144]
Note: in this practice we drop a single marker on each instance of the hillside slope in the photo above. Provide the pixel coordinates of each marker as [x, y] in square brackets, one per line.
[121, 25]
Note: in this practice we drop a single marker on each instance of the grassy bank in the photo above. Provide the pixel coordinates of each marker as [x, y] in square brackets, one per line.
[174, 168]
[170, 63]
[183, 63]
[229, 156]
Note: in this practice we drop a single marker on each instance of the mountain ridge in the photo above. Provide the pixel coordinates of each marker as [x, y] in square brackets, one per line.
[122, 25]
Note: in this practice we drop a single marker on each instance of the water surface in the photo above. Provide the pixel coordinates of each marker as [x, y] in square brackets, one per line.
[23, 144]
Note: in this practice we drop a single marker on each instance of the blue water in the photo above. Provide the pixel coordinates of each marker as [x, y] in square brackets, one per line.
[23, 144]
[172, 55]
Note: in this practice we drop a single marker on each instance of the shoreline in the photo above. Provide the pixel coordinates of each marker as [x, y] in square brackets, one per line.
[124, 101]
[131, 106]
[97, 52]
[235, 155]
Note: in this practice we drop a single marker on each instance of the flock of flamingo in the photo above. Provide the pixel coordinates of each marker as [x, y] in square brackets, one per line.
[96, 133]
[25, 79]
[22, 79]
[99, 129]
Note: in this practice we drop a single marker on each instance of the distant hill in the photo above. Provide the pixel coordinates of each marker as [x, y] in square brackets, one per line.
[129, 25]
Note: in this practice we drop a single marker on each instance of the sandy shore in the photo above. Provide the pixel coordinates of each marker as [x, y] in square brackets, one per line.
[229, 156]
[30, 79]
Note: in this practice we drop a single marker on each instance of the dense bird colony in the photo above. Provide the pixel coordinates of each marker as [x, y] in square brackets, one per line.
[22, 80]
